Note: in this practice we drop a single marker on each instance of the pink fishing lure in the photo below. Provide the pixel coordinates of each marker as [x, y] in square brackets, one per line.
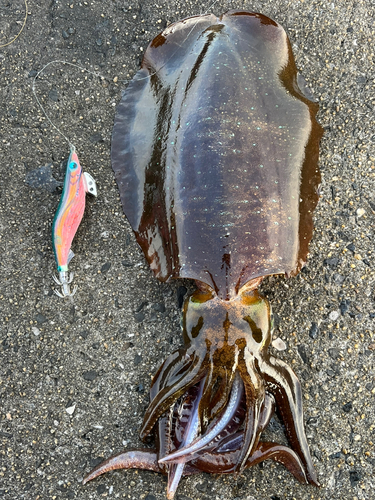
[68, 218]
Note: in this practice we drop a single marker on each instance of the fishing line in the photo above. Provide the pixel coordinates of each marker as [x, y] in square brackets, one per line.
[72, 203]
[20, 31]
[57, 61]
[40, 104]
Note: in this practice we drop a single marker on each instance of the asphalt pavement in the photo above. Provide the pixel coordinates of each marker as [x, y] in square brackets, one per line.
[74, 375]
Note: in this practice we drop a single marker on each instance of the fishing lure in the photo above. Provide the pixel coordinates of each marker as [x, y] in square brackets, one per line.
[72, 204]
[68, 218]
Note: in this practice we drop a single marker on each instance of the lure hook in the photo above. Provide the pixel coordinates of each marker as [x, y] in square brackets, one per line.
[64, 280]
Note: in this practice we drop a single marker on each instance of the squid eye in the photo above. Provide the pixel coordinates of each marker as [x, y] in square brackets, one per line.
[197, 328]
[73, 165]
[255, 330]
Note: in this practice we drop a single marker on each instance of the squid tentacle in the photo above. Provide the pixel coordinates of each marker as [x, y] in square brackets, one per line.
[227, 440]
[282, 454]
[187, 453]
[268, 409]
[211, 377]
[255, 395]
[176, 471]
[178, 360]
[210, 406]
[282, 382]
[164, 443]
[225, 459]
[221, 396]
[130, 459]
[170, 393]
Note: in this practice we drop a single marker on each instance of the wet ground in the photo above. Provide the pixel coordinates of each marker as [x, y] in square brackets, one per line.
[74, 376]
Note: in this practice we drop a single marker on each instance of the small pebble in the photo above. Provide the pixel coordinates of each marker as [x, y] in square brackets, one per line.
[314, 331]
[302, 352]
[139, 317]
[334, 315]
[90, 375]
[279, 344]
[35, 331]
[355, 477]
[351, 247]
[53, 95]
[159, 307]
[84, 334]
[347, 407]
[137, 359]
[141, 306]
[334, 353]
[332, 262]
[95, 138]
[70, 410]
[338, 278]
[40, 318]
[100, 489]
[202, 487]
[360, 212]
[105, 267]
[344, 306]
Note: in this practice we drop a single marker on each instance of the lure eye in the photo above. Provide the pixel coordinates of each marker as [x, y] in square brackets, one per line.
[73, 165]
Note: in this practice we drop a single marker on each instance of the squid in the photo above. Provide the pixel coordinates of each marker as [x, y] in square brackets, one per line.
[215, 152]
